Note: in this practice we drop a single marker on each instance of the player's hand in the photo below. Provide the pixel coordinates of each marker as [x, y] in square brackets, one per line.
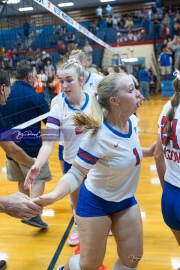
[45, 199]
[31, 176]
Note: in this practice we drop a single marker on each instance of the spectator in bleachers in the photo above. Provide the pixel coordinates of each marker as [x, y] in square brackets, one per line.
[75, 48]
[144, 82]
[70, 38]
[30, 55]
[141, 14]
[145, 24]
[45, 57]
[33, 26]
[109, 22]
[166, 20]
[129, 23]
[130, 35]
[157, 27]
[121, 24]
[123, 69]
[115, 22]
[89, 59]
[60, 46]
[49, 68]
[80, 36]
[154, 8]
[64, 28]
[42, 76]
[99, 13]
[37, 59]
[176, 29]
[18, 41]
[7, 62]
[26, 28]
[165, 31]
[165, 63]
[39, 85]
[53, 39]
[109, 11]
[177, 18]
[152, 84]
[164, 45]
[53, 85]
[176, 46]
[10, 53]
[57, 29]
[87, 48]
[96, 25]
[95, 28]
[63, 54]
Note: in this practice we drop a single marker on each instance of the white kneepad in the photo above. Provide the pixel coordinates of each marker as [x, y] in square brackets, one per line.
[74, 262]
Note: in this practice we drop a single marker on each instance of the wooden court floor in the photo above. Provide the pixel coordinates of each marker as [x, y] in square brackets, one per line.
[29, 248]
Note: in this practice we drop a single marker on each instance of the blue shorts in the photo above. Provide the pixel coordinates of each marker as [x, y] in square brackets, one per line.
[170, 204]
[91, 205]
[67, 166]
[60, 152]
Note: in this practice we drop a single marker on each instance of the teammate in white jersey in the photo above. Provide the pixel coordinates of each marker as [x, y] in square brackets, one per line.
[167, 156]
[91, 79]
[110, 156]
[90, 86]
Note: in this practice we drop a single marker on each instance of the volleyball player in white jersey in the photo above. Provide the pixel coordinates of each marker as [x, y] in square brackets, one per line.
[110, 156]
[91, 79]
[167, 156]
[90, 86]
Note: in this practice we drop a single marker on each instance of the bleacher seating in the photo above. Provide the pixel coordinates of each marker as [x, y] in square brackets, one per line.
[167, 89]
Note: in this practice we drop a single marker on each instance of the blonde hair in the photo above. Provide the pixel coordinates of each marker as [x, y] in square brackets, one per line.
[174, 103]
[108, 87]
[72, 64]
[80, 55]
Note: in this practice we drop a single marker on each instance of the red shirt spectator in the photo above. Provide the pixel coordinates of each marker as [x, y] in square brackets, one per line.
[10, 54]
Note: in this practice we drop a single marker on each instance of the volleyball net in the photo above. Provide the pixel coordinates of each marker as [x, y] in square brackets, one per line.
[40, 25]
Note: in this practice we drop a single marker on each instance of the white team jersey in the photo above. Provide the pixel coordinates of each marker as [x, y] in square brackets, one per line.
[114, 159]
[54, 101]
[57, 98]
[60, 118]
[92, 82]
[172, 155]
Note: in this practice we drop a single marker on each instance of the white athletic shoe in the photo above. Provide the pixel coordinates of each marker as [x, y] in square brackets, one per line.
[73, 239]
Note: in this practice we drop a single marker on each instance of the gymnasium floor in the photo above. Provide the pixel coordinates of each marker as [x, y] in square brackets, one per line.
[29, 248]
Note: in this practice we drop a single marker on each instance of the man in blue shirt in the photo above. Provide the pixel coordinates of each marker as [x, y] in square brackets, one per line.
[26, 28]
[25, 104]
[16, 205]
[144, 82]
[165, 61]
[109, 11]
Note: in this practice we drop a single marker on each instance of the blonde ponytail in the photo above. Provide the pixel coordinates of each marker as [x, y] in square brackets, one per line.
[92, 121]
[108, 87]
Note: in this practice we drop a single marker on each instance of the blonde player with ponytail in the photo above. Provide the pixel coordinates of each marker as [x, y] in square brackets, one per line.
[167, 156]
[110, 156]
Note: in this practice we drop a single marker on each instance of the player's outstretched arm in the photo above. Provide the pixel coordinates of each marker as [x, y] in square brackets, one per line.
[67, 184]
[41, 159]
[149, 152]
[159, 159]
